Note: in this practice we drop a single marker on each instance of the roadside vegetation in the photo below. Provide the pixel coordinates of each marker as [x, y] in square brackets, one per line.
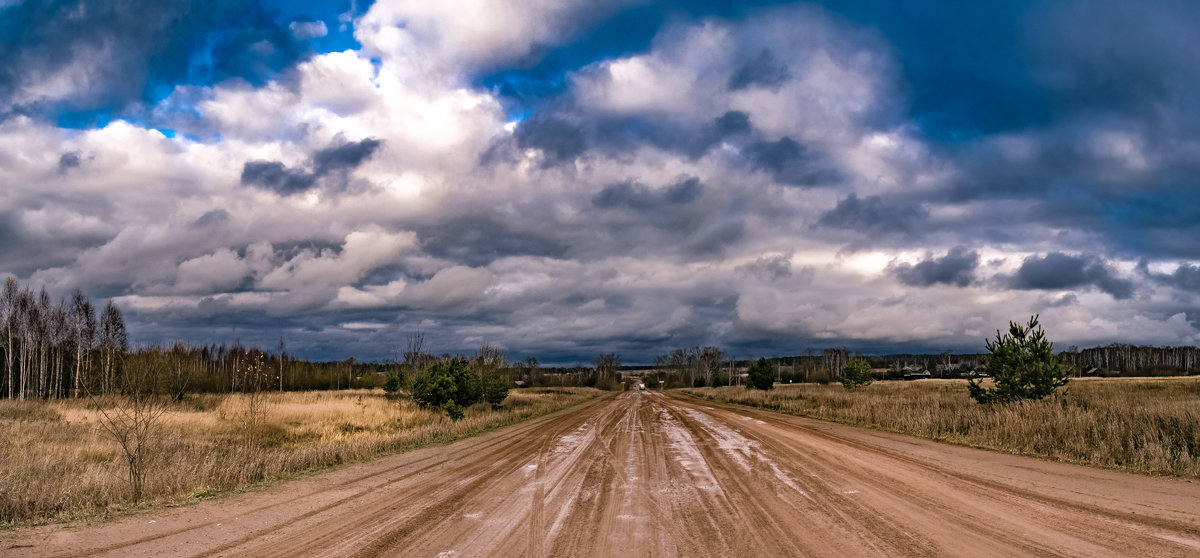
[1022, 365]
[760, 375]
[856, 375]
[1149, 425]
[62, 461]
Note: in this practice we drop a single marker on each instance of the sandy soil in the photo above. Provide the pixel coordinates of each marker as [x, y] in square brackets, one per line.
[648, 474]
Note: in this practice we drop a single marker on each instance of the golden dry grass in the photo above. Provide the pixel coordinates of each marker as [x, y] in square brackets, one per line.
[58, 464]
[1139, 425]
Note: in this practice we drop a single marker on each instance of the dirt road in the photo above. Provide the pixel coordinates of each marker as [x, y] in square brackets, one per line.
[648, 474]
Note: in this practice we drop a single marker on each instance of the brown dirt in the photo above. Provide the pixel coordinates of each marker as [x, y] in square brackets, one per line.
[648, 474]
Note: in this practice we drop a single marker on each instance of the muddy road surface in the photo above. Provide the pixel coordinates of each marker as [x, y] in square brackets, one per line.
[652, 474]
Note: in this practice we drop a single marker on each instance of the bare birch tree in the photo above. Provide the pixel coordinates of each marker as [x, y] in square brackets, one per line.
[83, 324]
[8, 305]
[113, 341]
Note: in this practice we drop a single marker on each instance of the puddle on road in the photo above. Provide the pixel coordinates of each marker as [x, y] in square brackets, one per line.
[689, 456]
[570, 442]
[742, 449]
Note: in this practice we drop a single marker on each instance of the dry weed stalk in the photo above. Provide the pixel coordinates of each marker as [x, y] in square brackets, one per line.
[130, 417]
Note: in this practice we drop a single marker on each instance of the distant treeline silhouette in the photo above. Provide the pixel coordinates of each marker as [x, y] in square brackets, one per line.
[52, 350]
[67, 349]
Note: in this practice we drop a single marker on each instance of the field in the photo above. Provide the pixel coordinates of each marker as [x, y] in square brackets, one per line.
[59, 464]
[1138, 425]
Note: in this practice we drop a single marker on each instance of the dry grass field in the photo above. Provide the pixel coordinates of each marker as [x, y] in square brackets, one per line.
[1144, 425]
[59, 464]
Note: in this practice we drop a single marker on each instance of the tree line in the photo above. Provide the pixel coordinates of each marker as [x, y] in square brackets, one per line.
[694, 367]
[1133, 360]
[58, 349]
[68, 348]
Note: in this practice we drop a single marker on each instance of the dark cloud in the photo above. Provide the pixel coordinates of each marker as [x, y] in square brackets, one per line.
[1059, 271]
[683, 192]
[624, 194]
[635, 196]
[1054, 271]
[618, 135]
[957, 268]
[762, 71]
[133, 50]
[769, 267]
[344, 157]
[275, 176]
[734, 126]
[22, 252]
[1095, 96]
[873, 215]
[560, 140]
[978, 68]
[789, 162]
[1186, 277]
[478, 240]
[732, 123]
[68, 161]
[11, 237]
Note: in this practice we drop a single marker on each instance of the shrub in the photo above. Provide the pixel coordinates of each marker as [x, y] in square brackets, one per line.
[856, 374]
[495, 388]
[392, 384]
[445, 382]
[453, 410]
[699, 381]
[1023, 364]
[760, 375]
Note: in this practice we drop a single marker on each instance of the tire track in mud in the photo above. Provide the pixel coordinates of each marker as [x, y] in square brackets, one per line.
[615, 473]
[968, 505]
[474, 471]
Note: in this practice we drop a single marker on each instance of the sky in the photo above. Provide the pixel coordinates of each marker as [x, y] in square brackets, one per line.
[563, 179]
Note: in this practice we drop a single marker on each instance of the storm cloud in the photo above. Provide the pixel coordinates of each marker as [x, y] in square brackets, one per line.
[1059, 271]
[789, 162]
[275, 176]
[638, 197]
[559, 139]
[565, 179]
[956, 268]
[874, 215]
[1186, 277]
